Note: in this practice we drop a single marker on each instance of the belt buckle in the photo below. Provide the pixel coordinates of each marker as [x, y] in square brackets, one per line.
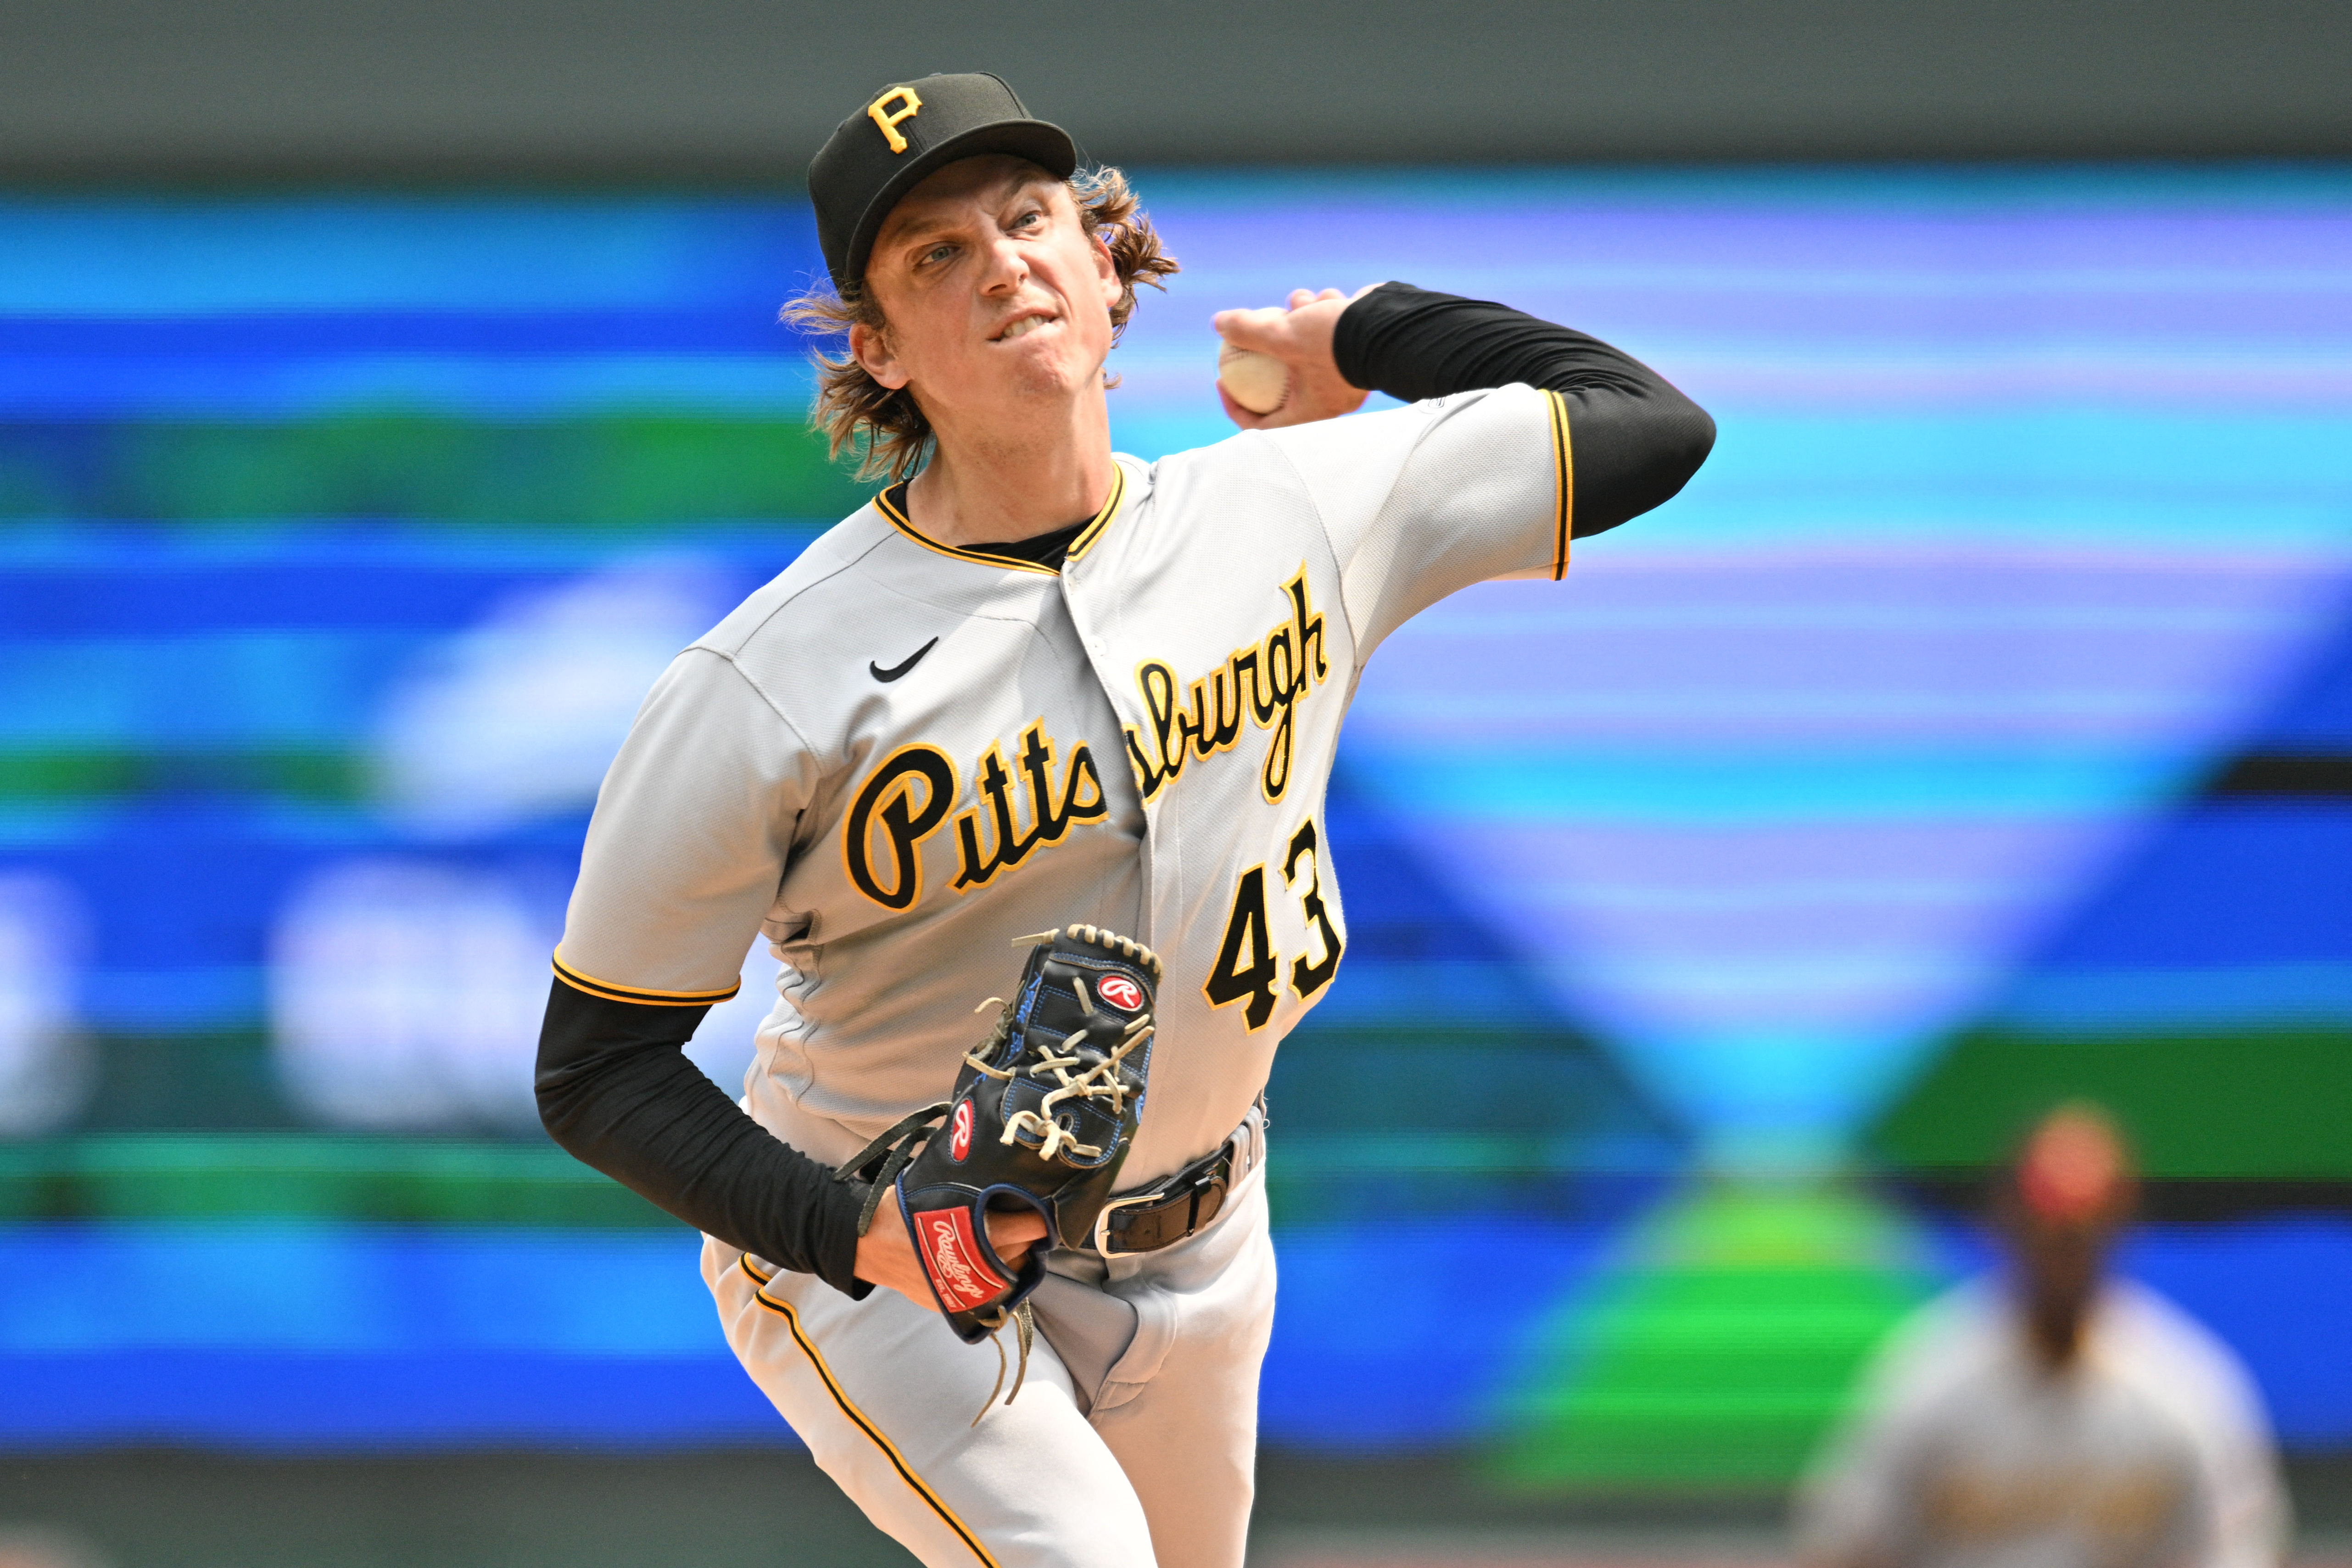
[1201, 1175]
[1102, 1221]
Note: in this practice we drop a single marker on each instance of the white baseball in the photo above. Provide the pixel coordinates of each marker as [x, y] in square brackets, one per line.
[1259, 382]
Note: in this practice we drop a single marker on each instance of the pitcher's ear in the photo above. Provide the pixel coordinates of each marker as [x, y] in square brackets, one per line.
[1107, 273]
[870, 347]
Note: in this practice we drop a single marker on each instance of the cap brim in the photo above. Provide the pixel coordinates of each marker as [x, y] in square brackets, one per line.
[1046, 145]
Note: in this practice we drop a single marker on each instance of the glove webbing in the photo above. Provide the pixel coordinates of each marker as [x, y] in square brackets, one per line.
[1099, 1081]
[907, 1136]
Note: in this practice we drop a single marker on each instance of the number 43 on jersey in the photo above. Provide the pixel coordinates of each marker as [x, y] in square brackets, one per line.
[1247, 969]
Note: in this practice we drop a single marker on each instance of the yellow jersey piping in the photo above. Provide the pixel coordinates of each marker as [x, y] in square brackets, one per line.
[612, 993]
[897, 518]
[1563, 480]
[898, 1460]
[1093, 530]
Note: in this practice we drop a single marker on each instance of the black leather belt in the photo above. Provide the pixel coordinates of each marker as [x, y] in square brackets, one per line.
[1174, 1210]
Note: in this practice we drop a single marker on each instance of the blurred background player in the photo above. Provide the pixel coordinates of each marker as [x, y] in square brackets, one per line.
[2055, 1416]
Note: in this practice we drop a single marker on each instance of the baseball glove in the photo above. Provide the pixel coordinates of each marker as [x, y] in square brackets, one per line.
[1042, 1117]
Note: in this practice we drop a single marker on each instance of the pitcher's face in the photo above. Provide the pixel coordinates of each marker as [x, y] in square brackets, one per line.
[993, 292]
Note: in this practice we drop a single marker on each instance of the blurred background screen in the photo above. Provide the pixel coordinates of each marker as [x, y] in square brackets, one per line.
[1973, 733]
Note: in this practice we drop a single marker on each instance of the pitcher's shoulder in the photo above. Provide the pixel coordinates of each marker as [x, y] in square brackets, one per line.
[811, 583]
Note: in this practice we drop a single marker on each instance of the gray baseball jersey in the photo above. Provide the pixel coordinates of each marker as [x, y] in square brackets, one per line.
[899, 756]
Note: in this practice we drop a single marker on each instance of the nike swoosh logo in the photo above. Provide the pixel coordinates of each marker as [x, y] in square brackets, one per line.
[895, 671]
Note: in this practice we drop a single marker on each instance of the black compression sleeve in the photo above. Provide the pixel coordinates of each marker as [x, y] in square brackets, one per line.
[616, 1091]
[1634, 439]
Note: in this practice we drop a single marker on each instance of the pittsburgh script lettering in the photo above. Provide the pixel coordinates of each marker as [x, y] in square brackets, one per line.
[1081, 801]
[1263, 682]
[1017, 807]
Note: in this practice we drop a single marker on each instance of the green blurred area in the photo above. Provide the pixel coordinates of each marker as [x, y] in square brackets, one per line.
[338, 778]
[613, 470]
[1715, 1354]
[306, 1176]
[2240, 1106]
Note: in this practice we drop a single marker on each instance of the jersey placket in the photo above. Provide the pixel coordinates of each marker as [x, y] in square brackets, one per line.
[1101, 651]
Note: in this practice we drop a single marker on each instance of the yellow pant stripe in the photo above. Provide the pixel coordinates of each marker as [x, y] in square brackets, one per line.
[897, 1461]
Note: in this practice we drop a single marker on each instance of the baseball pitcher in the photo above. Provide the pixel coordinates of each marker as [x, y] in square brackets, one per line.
[1020, 770]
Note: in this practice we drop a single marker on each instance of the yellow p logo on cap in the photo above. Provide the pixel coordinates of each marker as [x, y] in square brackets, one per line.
[908, 104]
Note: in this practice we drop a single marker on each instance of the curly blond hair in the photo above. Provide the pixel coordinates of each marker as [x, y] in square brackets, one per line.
[887, 428]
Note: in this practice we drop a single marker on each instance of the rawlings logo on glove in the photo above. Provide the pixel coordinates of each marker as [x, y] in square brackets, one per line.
[963, 1283]
[1042, 1117]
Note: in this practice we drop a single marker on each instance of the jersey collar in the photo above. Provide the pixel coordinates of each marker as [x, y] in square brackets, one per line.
[892, 503]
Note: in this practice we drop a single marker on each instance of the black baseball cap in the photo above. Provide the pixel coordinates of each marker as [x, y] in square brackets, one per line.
[902, 134]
